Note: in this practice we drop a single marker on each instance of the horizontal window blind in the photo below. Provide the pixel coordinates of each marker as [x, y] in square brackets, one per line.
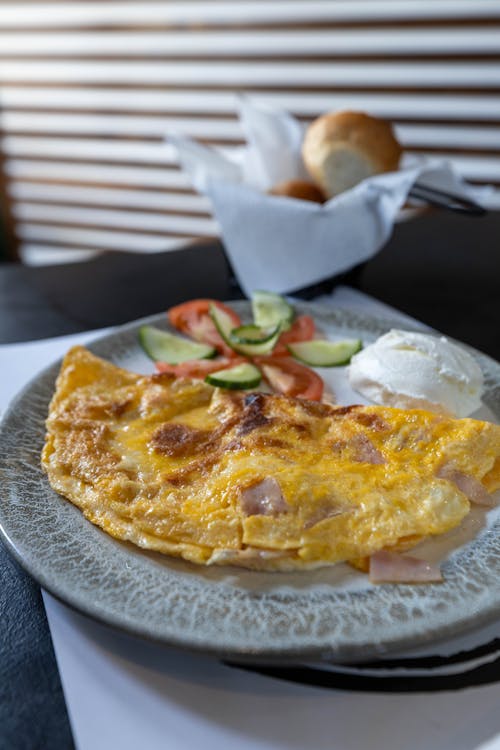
[89, 90]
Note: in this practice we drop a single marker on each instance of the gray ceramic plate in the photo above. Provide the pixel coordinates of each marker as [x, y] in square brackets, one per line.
[330, 613]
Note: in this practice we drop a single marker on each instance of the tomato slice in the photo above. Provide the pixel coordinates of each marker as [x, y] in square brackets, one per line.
[287, 376]
[193, 319]
[302, 329]
[198, 369]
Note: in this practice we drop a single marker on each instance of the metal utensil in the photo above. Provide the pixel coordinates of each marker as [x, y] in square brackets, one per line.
[449, 201]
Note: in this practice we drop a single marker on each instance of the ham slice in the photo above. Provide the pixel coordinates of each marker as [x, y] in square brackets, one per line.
[323, 511]
[471, 487]
[361, 449]
[365, 451]
[390, 567]
[263, 499]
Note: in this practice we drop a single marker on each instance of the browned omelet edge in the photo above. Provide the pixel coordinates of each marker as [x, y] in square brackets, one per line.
[81, 368]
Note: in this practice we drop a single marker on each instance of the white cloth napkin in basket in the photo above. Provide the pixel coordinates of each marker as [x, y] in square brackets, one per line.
[282, 244]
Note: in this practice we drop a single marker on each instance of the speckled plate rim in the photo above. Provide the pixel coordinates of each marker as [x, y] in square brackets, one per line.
[176, 604]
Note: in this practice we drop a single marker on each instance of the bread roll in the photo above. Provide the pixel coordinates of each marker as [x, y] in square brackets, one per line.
[300, 189]
[341, 149]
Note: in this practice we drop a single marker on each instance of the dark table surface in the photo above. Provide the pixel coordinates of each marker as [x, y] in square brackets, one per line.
[443, 269]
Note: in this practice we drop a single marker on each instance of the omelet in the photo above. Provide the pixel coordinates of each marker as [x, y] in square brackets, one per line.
[253, 479]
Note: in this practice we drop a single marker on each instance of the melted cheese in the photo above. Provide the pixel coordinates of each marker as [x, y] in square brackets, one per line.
[167, 464]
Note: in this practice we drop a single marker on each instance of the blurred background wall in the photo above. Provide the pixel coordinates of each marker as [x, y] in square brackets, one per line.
[90, 89]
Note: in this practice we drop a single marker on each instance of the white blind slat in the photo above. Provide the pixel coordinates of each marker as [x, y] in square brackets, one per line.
[102, 239]
[273, 11]
[135, 220]
[79, 194]
[92, 150]
[475, 167]
[238, 74]
[393, 41]
[221, 102]
[96, 173]
[32, 254]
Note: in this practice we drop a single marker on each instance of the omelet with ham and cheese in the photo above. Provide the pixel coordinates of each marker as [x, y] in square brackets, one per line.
[257, 480]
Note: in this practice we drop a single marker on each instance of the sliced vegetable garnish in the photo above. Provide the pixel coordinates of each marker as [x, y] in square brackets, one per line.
[198, 369]
[167, 347]
[325, 353]
[193, 318]
[252, 334]
[223, 322]
[291, 378]
[241, 377]
[270, 309]
[302, 329]
[224, 326]
[271, 342]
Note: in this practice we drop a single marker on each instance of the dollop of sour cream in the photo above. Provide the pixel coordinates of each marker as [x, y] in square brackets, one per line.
[418, 371]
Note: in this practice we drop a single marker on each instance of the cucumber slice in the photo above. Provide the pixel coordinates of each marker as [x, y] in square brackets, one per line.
[236, 378]
[270, 309]
[222, 322]
[325, 353]
[163, 346]
[224, 325]
[253, 334]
